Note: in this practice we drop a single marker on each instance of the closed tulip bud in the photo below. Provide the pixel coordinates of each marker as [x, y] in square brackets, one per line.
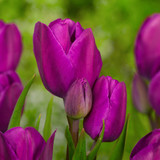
[65, 52]
[109, 104]
[140, 94]
[78, 101]
[154, 93]
[147, 48]
[10, 46]
[25, 144]
[148, 147]
[10, 90]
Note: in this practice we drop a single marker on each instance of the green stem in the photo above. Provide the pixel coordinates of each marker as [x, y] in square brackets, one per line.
[152, 122]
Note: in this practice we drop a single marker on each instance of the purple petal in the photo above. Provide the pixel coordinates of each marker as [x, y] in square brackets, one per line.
[48, 149]
[109, 104]
[56, 71]
[148, 147]
[10, 48]
[154, 92]
[85, 57]
[147, 48]
[6, 151]
[27, 143]
[8, 100]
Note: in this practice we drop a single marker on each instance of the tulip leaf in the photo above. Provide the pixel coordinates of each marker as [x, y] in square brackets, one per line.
[71, 147]
[38, 122]
[47, 125]
[93, 152]
[16, 116]
[119, 148]
[80, 151]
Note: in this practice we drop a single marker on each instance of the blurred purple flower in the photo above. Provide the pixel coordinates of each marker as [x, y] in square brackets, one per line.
[25, 144]
[78, 101]
[109, 104]
[10, 90]
[140, 94]
[10, 46]
[148, 147]
[154, 93]
[65, 52]
[147, 48]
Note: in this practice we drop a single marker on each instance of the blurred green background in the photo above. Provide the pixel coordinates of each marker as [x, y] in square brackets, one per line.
[114, 23]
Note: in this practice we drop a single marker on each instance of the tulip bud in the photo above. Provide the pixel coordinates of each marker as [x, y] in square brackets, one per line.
[65, 52]
[140, 94]
[78, 101]
[19, 144]
[10, 46]
[148, 147]
[109, 104]
[10, 90]
[154, 93]
[147, 48]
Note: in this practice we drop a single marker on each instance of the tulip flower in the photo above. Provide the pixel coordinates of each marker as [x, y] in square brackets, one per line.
[10, 90]
[78, 101]
[148, 147]
[147, 48]
[25, 144]
[154, 93]
[140, 94]
[109, 104]
[10, 46]
[65, 52]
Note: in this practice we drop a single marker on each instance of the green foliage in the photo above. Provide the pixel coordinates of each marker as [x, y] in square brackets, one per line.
[16, 116]
[47, 125]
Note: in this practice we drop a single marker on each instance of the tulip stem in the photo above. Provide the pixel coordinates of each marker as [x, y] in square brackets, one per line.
[157, 121]
[152, 122]
[74, 129]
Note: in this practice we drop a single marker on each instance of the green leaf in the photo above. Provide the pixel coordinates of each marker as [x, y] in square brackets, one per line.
[119, 149]
[38, 122]
[93, 153]
[71, 147]
[47, 125]
[16, 116]
[80, 151]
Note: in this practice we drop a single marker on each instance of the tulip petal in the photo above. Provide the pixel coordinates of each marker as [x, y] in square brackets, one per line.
[85, 57]
[8, 101]
[48, 149]
[154, 88]
[27, 143]
[6, 151]
[148, 147]
[10, 48]
[55, 68]
[147, 48]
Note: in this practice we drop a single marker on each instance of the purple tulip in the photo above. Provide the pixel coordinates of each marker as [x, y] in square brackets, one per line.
[147, 48]
[10, 46]
[140, 94]
[78, 101]
[154, 93]
[10, 90]
[148, 148]
[109, 104]
[25, 144]
[65, 52]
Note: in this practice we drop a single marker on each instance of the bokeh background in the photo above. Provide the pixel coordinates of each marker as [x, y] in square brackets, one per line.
[115, 24]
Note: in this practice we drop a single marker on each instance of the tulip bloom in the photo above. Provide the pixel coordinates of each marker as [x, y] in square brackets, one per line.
[109, 104]
[65, 52]
[10, 90]
[10, 46]
[154, 93]
[140, 94]
[78, 101]
[25, 144]
[147, 48]
[148, 147]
